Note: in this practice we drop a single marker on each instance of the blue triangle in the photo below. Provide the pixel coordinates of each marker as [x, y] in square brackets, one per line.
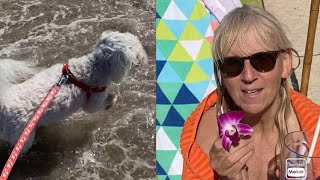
[176, 26]
[160, 96]
[198, 89]
[201, 25]
[173, 118]
[186, 8]
[207, 66]
[185, 96]
[168, 74]
[159, 67]
[159, 169]
[167, 178]
[159, 55]
[157, 15]
[157, 123]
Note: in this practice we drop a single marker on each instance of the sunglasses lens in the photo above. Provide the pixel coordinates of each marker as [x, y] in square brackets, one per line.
[232, 66]
[261, 61]
[264, 61]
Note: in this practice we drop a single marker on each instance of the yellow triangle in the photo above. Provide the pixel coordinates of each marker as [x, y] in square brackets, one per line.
[196, 75]
[163, 32]
[199, 11]
[205, 51]
[190, 33]
[179, 54]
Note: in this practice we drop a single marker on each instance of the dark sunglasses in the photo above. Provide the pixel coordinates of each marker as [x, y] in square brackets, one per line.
[260, 61]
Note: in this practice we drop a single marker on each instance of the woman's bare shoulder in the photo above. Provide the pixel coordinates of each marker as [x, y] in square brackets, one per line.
[207, 130]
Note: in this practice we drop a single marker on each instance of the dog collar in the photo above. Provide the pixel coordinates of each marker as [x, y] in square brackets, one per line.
[73, 80]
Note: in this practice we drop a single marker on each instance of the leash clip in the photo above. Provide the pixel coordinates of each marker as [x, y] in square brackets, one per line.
[63, 79]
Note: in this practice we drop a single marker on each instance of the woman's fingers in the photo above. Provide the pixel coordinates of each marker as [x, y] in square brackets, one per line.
[217, 146]
[230, 164]
[235, 161]
[217, 153]
[239, 153]
[245, 154]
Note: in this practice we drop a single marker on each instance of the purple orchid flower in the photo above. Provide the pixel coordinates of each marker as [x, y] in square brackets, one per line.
[230, 128]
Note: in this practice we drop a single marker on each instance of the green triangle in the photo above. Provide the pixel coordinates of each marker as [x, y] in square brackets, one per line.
[165, 158]
[170, 90]
[174, 177]
[161, 177]
[163, 32]
[157, 21]
[190, 33]
[162, 112]
[182, 68]
[205, 51]
[157, 129]
[161, 6]
[199, 11]
[174, 134]
[166, 47]
[179, 53]
[196, 75]
[185, 109]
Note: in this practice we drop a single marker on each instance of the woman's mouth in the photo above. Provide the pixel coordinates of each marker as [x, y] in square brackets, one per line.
[252, 91]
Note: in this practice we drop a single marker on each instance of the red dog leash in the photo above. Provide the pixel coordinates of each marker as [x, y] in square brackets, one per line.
[66, 76]
[29, 127]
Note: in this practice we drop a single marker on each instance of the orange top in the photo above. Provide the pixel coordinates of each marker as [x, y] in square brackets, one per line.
[196, 164]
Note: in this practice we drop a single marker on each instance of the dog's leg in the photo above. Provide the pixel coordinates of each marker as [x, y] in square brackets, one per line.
[111, 99]
[99, 101]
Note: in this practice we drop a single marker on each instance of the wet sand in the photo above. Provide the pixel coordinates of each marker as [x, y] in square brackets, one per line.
[295, 17]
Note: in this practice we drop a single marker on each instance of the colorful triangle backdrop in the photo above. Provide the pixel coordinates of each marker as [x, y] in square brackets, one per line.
[184, 73]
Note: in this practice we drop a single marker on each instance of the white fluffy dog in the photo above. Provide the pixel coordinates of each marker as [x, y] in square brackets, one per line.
[23, 87]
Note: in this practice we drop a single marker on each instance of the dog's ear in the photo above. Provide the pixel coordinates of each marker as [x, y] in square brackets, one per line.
[119, 65]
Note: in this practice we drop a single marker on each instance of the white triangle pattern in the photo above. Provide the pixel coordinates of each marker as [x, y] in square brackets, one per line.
[209, 31]
[212, 77]
[173, 12]
[176, 165]
[211, 87]
[163, 142]
[192, 47]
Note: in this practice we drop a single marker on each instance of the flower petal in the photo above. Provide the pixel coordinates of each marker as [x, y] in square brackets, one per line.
[223, 128]
[231, 116]
[244, 129]
[236, 116]
[226, 143]
[223, 120]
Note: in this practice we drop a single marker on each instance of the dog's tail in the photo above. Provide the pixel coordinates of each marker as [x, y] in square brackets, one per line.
[13, 72]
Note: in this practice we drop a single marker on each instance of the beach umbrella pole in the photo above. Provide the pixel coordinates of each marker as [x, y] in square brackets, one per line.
[314, 12]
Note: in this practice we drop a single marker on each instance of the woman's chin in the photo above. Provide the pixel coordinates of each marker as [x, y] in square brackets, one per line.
[252, 109]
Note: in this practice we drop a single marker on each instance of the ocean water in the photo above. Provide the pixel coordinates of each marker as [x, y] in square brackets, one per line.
[115, 144]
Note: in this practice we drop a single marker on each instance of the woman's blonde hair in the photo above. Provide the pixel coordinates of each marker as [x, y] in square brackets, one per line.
[232, 30]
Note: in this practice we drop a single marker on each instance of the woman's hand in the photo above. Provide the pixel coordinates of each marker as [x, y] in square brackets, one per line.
[231, 165]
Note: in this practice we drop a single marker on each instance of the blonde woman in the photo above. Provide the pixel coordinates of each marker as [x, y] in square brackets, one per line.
[253, 59]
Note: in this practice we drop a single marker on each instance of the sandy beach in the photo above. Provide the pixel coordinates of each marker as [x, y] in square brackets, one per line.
[295, 18]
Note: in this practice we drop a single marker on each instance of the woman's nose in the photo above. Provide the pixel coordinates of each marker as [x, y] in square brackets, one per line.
[248, 74]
